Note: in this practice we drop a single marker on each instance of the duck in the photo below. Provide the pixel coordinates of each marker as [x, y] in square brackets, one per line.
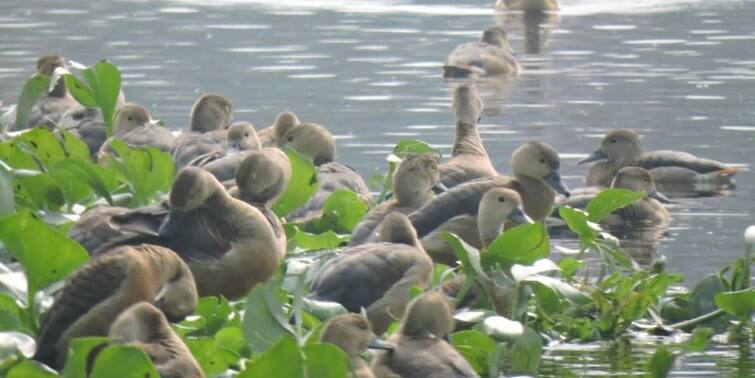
[273, 136]
[536, 178]
[469, 160]
[100, 290]
[621, 148]
[648, 210]
[240, 139]
[317, 143]
[529, 5]
[261, 179]
[491, 56]
[134, 126]
[209, 118]
[421, 347]
[376, 276]
[414, 182]
[353, 334]
[145, 326]
[53, 103]
[247, 251]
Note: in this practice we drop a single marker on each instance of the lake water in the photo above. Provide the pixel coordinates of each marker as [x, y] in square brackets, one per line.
[681, 72]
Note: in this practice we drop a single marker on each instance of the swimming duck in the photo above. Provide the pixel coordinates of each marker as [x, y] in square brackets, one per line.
[469, 160]
[273, 136]
[100, 290]
[53, 103]
[377, 276]
[318, 144]
[210, 116]
[528, 5]
[144, 326]
[421, 349]
[353, 334]
[498, 206]
[491, 56]
[240, 139]
[134, 126]
[536, 174]
[247, 252]
[413, 182]
[648, 210]
[621, 148]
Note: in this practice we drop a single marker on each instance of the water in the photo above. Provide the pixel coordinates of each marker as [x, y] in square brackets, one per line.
[681, 72]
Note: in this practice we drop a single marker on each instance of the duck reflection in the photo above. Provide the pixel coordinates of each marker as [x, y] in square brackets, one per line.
[535, 27]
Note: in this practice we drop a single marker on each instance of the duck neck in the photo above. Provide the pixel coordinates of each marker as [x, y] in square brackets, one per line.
[468, 140]
[537, 196]
[489, 229]
[411, 196]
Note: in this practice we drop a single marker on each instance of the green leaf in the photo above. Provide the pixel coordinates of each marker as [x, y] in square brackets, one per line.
[7, 202]
[610, 200]
[468, 256]
[699, 339]
[128, 361]
[214, 312]
[569, 266]
[231, 338]
[43, 144]
[30, 93]
[30, 369]
[46, 255]
[303, 185]
[146, 171]
[475, 347]
[79, 361]
[325, 360]
[325, 240]
[526, 352]
[739, 303]
[264, 322]
[211, 357]
[523, 244]
[281, 360]
[347, 207]
[74, 147]
[661, 362]
[80, 91]
[13, 316]
[107, 89]
[413, 146]
[323, 310]
[578, 221]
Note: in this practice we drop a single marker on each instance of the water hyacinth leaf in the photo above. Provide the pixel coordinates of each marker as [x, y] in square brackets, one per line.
[80, 91]
[30, 93]
[12, 342]
[738, 303]
[81, 353]
[107, 89]
[569, 266]
[326, 240]
[231, 338]
[128, 361]
[325, 360]
[468, 256]
[323, 310]
[264, 322]
[610, 200]
[579, 222]
[661, 362]
[523, 244]
[73, 147]
[281, 360]
[475, 347]
[43, 144]
[346, 207]
[699, 339]
[46, 255]
[146, 171]
[13, 316]
[7, 201]
[413, 146]
[30, 369]
[522, 272]
[526, 352]
[101, 180]
[303, 185]
[214, 312]
[502, 329]
[562, 288]
[212, 358]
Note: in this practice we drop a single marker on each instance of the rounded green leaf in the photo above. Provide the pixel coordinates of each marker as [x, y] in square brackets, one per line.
[739, 303]
[211, 357]
[413, 146]
[303, 184]
[523, 244]
[610, 200]
[80, 91]
[30, 369]
[30, 93]
[347, 207]
[281, 360]
[127, 361]
[325, 360]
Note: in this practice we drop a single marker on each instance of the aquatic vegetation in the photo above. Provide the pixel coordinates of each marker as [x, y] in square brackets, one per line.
[522, 293]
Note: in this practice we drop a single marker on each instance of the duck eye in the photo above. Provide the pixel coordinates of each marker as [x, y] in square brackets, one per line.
[130, 118]
[246, 135]
[542, 160]
[612, 140]
[411, 169]
[290, 139]
[501, 199]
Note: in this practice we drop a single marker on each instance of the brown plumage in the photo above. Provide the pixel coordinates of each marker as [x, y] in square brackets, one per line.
[273, 136]
[421, 348]
[210, 116]
[144, 326]
[96, 293]
[377, 276]
[134, 125]
[240, 140]
[353, 334]
[491, 56]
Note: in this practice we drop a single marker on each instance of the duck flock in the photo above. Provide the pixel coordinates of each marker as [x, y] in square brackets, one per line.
[216, 235]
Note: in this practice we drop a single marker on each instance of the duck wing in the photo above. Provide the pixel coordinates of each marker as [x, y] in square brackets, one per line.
[667, 158]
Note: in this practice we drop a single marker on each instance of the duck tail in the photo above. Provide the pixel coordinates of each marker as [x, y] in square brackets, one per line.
[727, 172]
[721, 176]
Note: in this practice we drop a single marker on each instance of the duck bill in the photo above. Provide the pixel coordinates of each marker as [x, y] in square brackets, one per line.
[519, 216]
[659, 196]
[439, 187]
[597, 155]
[376, 343]
[554, 180]
[172, 223]
[234, 146]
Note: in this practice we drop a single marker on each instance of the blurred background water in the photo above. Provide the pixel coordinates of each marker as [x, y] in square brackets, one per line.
[681, 72]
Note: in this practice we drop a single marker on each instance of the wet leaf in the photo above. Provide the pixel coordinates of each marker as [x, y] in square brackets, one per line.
[128, 361]
[231, 338]
[107, 89]
[661, 362]
[523, 244]
[610, 200]
[12, 342]
[30, 93]
[7, 202]
[738, 303]
[302, 187]
[325, 360]
[30, 369]
[468, 256]
[503, 329]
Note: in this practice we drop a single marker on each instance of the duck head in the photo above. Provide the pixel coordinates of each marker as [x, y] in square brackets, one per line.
[497, 207]
[46, 65]
[263, 176]
[140, 322]
[416, 177]
[130, 117]
[210, 112]
[241, 136]
[429, 315]
[284, 122]
[352, 333]
[619, 145]
[312, 141]
[639, 180]
[539, 161]
[467, 105]
[178, 297]
[191, 189]
[397, 228]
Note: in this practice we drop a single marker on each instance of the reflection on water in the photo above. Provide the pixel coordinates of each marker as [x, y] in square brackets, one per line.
[680, 72]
